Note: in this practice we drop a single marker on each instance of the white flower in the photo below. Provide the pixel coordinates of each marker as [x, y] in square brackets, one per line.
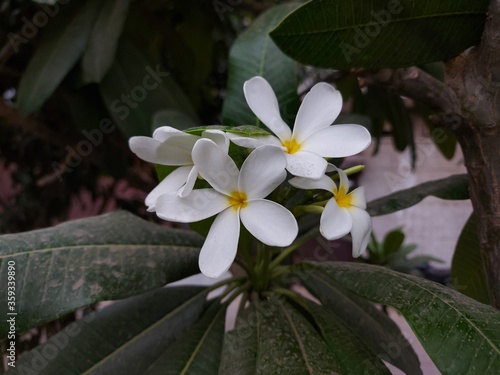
[173, 147]
[236, 195]
[344, 213]
[313, 138]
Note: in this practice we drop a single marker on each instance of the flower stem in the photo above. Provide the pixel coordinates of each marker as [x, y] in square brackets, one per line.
[298, 242]
[237, 280]
[302, 210]
[353, 170]
[294, 296]
[239, 289]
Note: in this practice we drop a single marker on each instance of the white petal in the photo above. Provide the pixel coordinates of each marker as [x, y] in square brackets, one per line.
[343, 180]
[338, 141]
[306, 164]
[330, 168]
[215, 166]
[323, 183]
[254, 142]
[262, 171]
[269, 222]
[361, 230]
[358, 198]
[169, 184]
[190, 181]
[263, 102]
[162, 133]
[220, 247]
[199, 205]
[335, 221]
[319, 109]
[219, 138]
[176, 150]
[145, 148]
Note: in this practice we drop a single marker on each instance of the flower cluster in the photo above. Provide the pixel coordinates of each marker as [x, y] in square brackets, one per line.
[245, 195]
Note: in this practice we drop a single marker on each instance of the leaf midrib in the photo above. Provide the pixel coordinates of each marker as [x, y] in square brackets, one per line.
[497, 349]
[298, 340]
[144, 332]
[276, 32]
[200, 343]
[128, 246]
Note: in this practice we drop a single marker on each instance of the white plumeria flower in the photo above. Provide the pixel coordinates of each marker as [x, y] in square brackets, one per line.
[345, 212]
[313, 138]
[236, 195]
[173, 147]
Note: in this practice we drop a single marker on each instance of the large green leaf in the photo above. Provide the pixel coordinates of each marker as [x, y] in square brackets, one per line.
[255, 54]
[123, 338]
[379, 333]
[198, 351]
[274, 338]
[80, 262]
[379, 33]
[460, 334]
[239, 351]
[135, 89]
[467, 273]
[63, 44]
[352, 354]
[103, 41]
[455, 187]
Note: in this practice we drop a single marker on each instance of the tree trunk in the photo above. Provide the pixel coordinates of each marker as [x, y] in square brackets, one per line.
[475, 78]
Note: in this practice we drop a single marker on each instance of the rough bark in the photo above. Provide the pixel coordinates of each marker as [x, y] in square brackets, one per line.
[469, 103]
[475, 78]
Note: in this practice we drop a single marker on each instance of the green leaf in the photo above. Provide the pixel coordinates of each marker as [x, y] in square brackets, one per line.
[198, 351]
[380, 33]
[380, 334]
[352, 354]
[255, 54]
[239, 351]
[444, 139]
[455, 187]
[372, 103]
[90, 115]
[402, 128]
[273, 338]
[467, 273]
[123, 338]
[62, 45]
[460, 334]
[103, 41]
[74, 264]
[393, 241]
[243, 130]
[172, 117]
[135, 89]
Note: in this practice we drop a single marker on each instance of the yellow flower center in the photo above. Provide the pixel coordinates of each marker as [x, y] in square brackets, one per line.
[343, 200]
[237, 199]
[291, 145]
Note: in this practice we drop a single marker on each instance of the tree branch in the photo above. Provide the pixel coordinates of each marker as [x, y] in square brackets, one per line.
[420, 86]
